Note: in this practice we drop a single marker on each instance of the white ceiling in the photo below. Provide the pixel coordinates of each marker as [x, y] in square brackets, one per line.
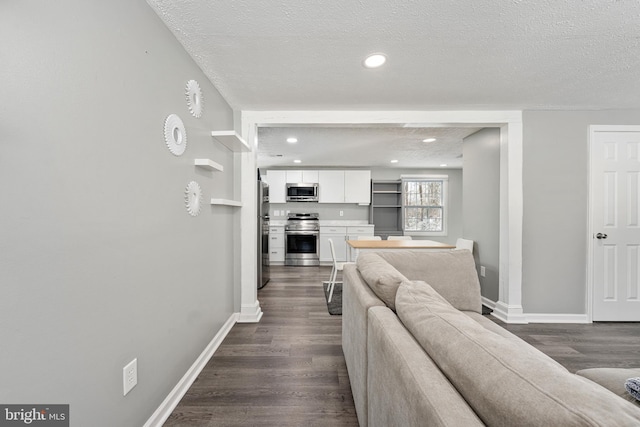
[362, 146]
[442, 55]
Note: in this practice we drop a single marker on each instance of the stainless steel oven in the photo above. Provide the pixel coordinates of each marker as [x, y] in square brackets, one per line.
[302, 239]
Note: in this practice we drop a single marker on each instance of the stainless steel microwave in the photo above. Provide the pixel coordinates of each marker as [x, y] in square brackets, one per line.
[302, 192]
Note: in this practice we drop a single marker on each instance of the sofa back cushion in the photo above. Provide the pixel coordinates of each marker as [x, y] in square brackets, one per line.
[382, 277]
[451, 273]
[505, 384]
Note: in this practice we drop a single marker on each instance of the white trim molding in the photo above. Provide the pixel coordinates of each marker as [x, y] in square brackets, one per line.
[488, 303]
[511, 199]
[509, 314]
[500, 313]
[167, 406]
[250, 313]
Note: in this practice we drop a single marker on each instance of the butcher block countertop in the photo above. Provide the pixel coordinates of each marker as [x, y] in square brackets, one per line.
[398, 244]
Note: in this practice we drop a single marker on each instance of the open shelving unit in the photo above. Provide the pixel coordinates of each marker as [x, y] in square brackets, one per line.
[386, 207]
[231, 140]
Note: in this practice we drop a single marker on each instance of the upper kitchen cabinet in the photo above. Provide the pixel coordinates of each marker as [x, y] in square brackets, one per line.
[331, 186]
[357, 187]
[334, 186]
[340, 186]
[302, 176]
[277, 180]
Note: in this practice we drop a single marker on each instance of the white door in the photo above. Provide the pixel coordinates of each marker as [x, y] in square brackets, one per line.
[615, 223]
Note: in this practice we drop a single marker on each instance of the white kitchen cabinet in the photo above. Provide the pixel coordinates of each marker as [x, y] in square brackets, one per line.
[276, 244]
[361, 230]
[353, 232]
[302, 176]
[331, 186]
[334, 186]
[338, 234]
[277, 181]
[294, 177]
[310, 177]
[357, 186]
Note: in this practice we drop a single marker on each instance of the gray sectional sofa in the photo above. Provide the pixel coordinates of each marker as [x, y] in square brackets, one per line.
[419, 352]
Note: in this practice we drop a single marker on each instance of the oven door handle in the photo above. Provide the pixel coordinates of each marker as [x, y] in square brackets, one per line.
[298, 233]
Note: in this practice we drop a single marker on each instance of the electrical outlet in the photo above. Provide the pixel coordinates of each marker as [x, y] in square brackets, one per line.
[341, 213]
[483, 271]
[130, 376]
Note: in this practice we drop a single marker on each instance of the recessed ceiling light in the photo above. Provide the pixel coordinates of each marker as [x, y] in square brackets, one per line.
[300, 161]
[292, 140]
[394, 161]
[428, 140]
[443, 165]
[374, 60]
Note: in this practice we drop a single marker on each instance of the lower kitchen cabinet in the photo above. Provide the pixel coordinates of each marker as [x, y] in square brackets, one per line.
[276, 244]
[340, 235]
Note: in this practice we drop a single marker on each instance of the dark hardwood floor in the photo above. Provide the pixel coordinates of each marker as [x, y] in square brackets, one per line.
[582, 346]
[288, 370]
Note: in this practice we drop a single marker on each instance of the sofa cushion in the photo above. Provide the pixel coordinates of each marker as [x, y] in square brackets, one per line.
[382, 277]
[505, 384]
[612, 379]
[405, 386]
[451, 273]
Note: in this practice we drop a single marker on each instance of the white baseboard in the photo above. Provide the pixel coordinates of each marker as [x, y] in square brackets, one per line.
[536, 317]
[509, 313]
[250, 313]
[488, 303]
[165, 409]
[556, 318]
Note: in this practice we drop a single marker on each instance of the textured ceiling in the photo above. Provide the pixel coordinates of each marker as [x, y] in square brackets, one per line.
[481, 54]
[442, 55]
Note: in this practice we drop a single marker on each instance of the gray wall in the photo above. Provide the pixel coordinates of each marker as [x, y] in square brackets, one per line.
[481, 204]
[99, 261]
[555, 181]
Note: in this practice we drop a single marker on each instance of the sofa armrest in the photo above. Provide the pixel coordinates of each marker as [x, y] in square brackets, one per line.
[357, 297]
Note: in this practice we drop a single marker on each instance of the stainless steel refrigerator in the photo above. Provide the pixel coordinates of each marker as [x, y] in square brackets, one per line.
[263, 233]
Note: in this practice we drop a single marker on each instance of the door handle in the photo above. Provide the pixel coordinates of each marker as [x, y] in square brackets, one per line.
[601, 236]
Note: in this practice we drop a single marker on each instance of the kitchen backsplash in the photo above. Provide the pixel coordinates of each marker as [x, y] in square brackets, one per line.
[327, 211]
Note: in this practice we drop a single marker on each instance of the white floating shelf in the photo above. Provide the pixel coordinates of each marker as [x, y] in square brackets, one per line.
[231, 140]
[226, 202]
[208, 164]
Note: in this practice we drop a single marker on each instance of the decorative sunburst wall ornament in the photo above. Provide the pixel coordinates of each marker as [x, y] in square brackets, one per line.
[175, 135]
[193, 198]
[195, 100]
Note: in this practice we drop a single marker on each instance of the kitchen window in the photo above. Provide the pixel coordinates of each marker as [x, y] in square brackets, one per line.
[424, 205]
